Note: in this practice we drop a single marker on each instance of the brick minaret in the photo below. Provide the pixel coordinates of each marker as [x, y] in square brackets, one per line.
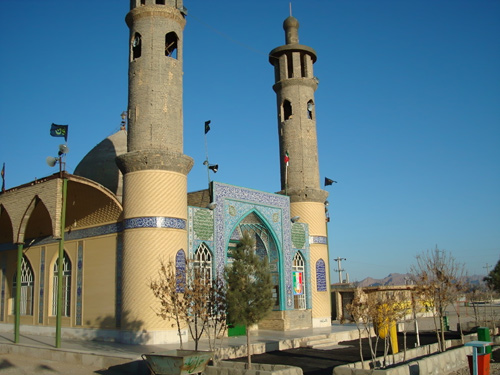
[155, 168]
[295, 85]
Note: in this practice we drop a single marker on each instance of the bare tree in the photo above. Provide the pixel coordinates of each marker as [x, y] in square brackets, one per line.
[358, 310]
[167, 287]
[190, 298]
[438, 277]
[380, 310]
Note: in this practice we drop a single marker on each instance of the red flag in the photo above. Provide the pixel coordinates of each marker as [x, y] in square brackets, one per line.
[287, 158]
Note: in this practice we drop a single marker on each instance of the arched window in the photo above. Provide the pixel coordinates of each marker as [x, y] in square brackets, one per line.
[287, 110]
[299, 282]
[66, 286]
[310, 109]
[136, 46]
[171, 45]
[203, 261]
[27, 288]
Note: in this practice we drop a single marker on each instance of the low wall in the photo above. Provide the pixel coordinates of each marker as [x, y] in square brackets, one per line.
[436, 364]
[125, 363]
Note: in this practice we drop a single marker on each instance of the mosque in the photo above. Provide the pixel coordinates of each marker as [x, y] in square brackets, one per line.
[126, 206]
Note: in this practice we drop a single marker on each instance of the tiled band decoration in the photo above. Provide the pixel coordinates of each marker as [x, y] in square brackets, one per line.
[319, 239]
[79, 284]
[154, 222]
[42, 285]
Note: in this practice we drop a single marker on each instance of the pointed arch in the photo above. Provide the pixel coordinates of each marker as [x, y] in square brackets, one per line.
[6, 227]
[266, 242]
[27, 288]
[66, 285]
[203, 260]
[24, 221]
[299, 281]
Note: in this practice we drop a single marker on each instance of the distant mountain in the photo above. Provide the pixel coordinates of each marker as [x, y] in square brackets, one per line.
[391, 279]
[401, 279]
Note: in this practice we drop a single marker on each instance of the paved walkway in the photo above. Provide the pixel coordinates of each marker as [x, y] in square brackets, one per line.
[96, 356]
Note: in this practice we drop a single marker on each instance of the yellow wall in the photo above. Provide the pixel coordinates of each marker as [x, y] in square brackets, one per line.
[99, 282]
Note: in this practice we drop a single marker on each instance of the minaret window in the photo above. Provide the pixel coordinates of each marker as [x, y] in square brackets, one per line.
[287, 110]
[136, 46]
[160, 2]
[289, 61]
[310, 108]
[303, 65]
[171, 45]
[143, 2]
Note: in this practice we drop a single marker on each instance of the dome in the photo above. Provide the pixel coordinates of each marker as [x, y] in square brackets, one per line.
[291, 22]
[99, 164]
[291, 27]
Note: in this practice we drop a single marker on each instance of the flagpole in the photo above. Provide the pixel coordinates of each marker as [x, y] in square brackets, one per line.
[60, 263]
[286, 179]
[207, 128]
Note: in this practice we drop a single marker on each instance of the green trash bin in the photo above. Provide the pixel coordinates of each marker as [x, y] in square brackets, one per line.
[483, 334]
[446, 323]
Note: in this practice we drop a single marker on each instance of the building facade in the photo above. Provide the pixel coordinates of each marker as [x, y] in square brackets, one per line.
[118, 222]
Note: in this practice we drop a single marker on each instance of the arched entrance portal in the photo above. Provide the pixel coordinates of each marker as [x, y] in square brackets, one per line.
[265, 246]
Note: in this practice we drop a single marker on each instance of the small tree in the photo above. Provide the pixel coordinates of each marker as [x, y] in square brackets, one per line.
[249, 294]
[167, 287]
[438, 279]
[493, 278]
[189, 298]
[358, 310]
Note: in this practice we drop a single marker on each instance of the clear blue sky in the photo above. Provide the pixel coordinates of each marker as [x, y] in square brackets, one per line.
[408, 109]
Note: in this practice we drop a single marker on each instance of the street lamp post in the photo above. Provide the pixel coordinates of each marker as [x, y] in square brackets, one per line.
[18, 292]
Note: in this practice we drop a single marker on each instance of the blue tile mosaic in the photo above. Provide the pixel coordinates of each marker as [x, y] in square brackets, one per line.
[79, 284]
[154, 222]
[234, 204]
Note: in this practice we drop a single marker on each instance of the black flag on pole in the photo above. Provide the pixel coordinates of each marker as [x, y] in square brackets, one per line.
[59, 131]
[3, 177]
[207, 126]
[329, 181]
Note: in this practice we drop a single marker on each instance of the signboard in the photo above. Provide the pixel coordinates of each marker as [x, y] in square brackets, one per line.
[320, 276]
[180, 270]
[298, 283]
